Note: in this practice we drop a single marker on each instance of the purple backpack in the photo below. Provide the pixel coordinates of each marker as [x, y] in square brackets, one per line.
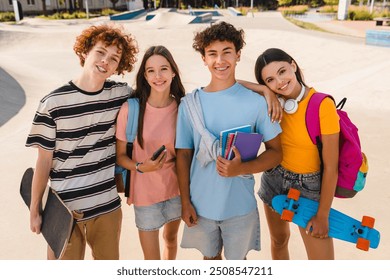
[353, 164]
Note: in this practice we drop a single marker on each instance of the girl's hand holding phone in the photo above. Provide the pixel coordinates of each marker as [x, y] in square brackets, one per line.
[156, 162]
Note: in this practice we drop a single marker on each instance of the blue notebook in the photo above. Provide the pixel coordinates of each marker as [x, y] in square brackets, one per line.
[248, 144]
[224, 135]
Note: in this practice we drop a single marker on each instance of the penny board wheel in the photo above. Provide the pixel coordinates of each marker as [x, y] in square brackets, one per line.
[363, 244]
[287, 215]
[293, 194]
[368, 221]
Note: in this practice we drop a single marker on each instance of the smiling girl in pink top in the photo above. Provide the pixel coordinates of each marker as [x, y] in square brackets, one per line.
[154, 189]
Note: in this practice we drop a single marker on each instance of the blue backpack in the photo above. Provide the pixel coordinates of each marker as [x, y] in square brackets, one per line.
[131, 133]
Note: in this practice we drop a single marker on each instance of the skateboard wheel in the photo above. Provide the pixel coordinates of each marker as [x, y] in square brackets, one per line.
[368, 221]
[287, 215]
[293, 194]
[363, 244]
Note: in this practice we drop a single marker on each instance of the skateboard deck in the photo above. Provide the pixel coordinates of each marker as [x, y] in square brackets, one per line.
[300, 210]
[57, 219]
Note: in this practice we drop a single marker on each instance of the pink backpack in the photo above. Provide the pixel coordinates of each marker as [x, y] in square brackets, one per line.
[353, 164]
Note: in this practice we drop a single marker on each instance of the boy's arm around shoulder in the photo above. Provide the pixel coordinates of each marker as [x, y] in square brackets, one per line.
[39, 184]
[275, 110]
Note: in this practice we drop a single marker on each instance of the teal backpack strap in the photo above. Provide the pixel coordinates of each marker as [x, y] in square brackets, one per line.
[132, 120]
[131, 133]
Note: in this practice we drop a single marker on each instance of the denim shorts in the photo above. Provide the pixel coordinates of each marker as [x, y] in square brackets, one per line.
[237, 236]
[153, 217]
[279, 180]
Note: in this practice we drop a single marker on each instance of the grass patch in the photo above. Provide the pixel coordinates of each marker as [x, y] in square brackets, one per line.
[109, 12]
[294, 10]
[245, 10]
[305, 25]
[65, 15]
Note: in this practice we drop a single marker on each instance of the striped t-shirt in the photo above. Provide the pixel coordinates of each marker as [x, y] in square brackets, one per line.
[79, 127]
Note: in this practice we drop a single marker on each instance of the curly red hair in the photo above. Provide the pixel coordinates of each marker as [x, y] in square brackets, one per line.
[109, 35]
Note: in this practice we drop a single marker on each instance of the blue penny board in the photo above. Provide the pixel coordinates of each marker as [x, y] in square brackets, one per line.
[341, 226]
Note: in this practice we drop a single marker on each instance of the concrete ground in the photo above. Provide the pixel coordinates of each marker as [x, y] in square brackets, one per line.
[36, 57]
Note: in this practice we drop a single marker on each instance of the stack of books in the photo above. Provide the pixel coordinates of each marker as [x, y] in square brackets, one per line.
[247, 143]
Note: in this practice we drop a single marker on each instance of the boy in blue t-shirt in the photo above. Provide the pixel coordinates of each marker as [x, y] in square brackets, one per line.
[218, 201]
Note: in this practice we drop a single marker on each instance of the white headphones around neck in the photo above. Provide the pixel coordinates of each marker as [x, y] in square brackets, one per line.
[290, 106]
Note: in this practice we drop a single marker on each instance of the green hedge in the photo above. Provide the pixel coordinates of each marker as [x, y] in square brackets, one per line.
[7, 16]
[66, 15]
[360, 14]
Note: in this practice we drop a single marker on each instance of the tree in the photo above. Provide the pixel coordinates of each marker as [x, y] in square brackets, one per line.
[71, 9]
[44, 10]
[75, 5]
[114, 3]
[80, 4]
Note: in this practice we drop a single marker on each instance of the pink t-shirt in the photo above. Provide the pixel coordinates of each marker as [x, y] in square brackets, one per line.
[159, 129]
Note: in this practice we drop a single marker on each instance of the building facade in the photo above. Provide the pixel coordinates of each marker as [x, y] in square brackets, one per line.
[36, 6]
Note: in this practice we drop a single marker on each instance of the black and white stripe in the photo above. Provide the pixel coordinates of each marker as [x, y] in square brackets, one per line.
[79, 127]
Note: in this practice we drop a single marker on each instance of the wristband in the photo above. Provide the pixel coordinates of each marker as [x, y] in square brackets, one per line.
[137, 167]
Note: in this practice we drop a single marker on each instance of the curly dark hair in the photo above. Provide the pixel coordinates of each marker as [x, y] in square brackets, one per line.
[109, 35]
[219, 32]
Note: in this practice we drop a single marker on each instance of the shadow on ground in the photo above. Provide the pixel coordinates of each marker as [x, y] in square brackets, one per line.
[12, 97]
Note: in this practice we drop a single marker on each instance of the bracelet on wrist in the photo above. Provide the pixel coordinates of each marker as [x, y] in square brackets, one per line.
[137, 167]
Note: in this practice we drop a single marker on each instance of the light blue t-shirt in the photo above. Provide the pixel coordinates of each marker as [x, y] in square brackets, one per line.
[215, 197]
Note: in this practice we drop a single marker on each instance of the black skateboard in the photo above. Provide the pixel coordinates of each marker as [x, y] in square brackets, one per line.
[57, 219]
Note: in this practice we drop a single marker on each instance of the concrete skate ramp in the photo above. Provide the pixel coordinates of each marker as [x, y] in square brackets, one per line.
[169, 19]
[12, 97]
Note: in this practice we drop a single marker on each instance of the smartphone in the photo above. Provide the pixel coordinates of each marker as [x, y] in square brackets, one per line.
[158, 152]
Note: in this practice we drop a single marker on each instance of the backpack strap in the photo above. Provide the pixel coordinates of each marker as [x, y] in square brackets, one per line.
[131, 133]
[313, 116]
[312, 120]
[132, 119]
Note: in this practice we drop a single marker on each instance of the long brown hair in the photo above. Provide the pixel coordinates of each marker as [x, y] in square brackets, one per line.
[142, 91]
